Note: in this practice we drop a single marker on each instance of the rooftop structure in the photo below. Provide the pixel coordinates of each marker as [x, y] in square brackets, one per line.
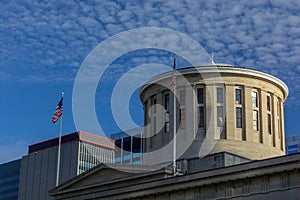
[80, 151]
[73, 137]
[220, 108]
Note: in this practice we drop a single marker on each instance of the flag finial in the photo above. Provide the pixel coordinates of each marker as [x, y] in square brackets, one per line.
[212, 58]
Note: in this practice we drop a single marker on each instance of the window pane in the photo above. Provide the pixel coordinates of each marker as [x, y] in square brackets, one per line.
[154, 104]
[254, 99]
[200, 95]
[167, 122]
[167, 101]
[182, 118]
[154, 125]
[136, 147]
[255, 120]
[201, 117]
[279, 119]
[167, 117]
[292, 151]
[220, 116]
[182, 97]
[238, 96]
[220, 111]
[151, 142]
[219, 95]
[238, 117]
[269, 124]
[167, 127]
[268, 103]
[294, 146]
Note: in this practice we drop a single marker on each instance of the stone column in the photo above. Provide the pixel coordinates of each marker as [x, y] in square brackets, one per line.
[282, 128]
[210, 111]
[248, 114]
[230, 112]
[275, 121]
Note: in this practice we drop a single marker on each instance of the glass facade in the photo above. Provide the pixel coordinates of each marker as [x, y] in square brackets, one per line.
[9, 180]
[92, 155]
[293, 144]
[128, 148]
[291, 149]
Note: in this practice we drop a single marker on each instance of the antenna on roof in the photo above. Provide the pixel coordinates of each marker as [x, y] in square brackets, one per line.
[212, 58]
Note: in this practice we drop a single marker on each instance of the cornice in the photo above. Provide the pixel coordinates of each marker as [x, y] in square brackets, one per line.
[221, 69]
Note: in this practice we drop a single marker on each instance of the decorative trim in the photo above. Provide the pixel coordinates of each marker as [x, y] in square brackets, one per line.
[220, 69]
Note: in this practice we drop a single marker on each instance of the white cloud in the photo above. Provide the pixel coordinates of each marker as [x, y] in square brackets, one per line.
[260, 34]
[47, 41]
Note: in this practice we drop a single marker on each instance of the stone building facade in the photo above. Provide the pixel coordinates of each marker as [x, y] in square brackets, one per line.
[270, 179]
[219, 108]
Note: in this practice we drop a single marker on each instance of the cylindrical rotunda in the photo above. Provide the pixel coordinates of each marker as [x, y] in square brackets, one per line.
[239, 109]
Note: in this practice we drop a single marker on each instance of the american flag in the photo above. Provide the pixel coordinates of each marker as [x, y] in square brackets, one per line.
[58, 111]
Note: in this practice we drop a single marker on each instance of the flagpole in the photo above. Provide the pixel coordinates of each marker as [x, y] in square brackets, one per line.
[174, 117]
[59, 146]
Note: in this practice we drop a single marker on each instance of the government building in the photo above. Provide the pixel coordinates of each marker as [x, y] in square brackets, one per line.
[233, 109]
[230, 141]
[80, 151]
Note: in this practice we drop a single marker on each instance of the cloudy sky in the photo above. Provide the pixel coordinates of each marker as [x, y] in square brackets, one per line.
[44, 43]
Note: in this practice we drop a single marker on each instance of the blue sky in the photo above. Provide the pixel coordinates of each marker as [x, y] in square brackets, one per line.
[43, 44]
